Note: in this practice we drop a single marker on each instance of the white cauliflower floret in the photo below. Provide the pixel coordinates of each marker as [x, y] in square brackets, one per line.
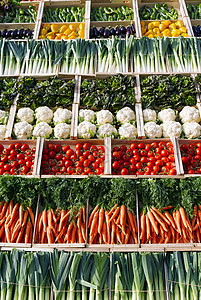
[171, 129]
[191, 130]
[106, 130]
[62, 115]
[86, 130]
[23, 130]
[86, 115]
[189, 114]
[2, 131]
[44, 114]
[2, 116]
[104, 116]
[167, 115]
[152, 130]
[42, 130]
[125, 115]
[128, 131]
[149, 115]
[62, 131]
[25, 114]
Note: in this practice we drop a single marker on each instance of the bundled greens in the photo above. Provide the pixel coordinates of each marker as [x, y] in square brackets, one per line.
[113, 93]
[111, 14]
[19, 15]
[51, 92]
[137, 276]
[183, 270]
[158, 12]
[66, 14]
[8, 91]
[12, 57]
[194, 11]
[167, 91]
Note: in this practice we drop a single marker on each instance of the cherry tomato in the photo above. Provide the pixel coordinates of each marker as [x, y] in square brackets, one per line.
[79, 170]
[150, 154]
[132, 168]
[18, 146]
[82, 159]
[52, 162]
[156, 169]
[58, 156]
[159, 163]
[124, 171]
[154, 145]
[137, 157]
[7, 167]
[144, 160]
[78, 153]
[65, 148]
[139, 165]
[93, 148]
[60, 164]
[86, 163]
[2, 147]
[22, 162]
[57, 148]
[133, 146]
[164, 153]
[86, 153]
[143, 152]
[12, 171]
[171, 157]
[73, 157]
[162, 144]
[25, 169]
[55, 169]
[24, 147]
[10, 147]
[141, 146]
[78, 164]
[86, 146]
[172, 172]
[68, 163]
[148, 147]
[69, 153]
[116, 155]
[52, 154]
[29, 164]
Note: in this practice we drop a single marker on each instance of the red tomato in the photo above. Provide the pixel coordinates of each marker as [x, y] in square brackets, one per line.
[139, 165]
[198, 145]
[13, 152]
[18, 146]
[2, 164]
[28, 164]
[50, 146]
[2, 147]
[94, 148]
[101, 166]
[147, 169]
[98, 171]
[79, 170]
[10, 147]
[150, 154]
[152, 159]
[148, 147]
[198, 151]
[126, 164]
[20, 156]
[194, 163]
[132, 168]
[101, 149]
[165, 169]
[24, 147]
[65, 148]
[52, 162]
[60, 164]
[95, 154]
[4, 158]
[91, 158]
[184, 147]
[63, 170]
[73, 157]
[116, 155]
[164, 153]
[25, 169]
[86, 163]
[86, 146]
[136, 151]
[78, 147]
[143, 152]
[144, 160]
[192, 146]
[150, 164]
[86, 153]
[133, 161]
[69, 153]
[162, 144]
[115, 165]
[156, 169]
[45, 157]
[137, 157]
[171, 157]
[12, 171]
[115, 149]
[165, 160]
[126, 157]
[78, 153]
[172, 172]
[78, 164]
[87, 170]
[154, 145]
[52, 154]
[158, 150]
[7, 167]
[141, 146]
[158, 156]
[58, 156]
[159, 163]
[55, 169]
[94, 165]
[124, 171]
[169, 165]
[68, 163]
[22, 162]
[57, 148]
[133, 146]
[123, 148]
[6, 151]
[82, 159]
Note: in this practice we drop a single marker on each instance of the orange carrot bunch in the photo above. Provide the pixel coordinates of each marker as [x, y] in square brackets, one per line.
[196, 224]
[117, 226]
[16, 226]
[65, 226]
[159, 228]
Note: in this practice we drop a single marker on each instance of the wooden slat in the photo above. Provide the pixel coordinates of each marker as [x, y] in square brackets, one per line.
[75, 125]
[138, 217]
[108, 155]
[40, 11]
[36, 161]
[173, 140]
[72, 122]
[136, 18]
[37, 29]
[87, 10]
[87, 30]
[183, 8]
[137, 89]
[139, 120]
[77, 89]
[179, 157]
[36, 219]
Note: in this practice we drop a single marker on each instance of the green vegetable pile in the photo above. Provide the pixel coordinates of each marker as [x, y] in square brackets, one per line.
[72, 14]
[112, 93]
[172, 91]
[194, 11]
[51, 92]
[112, 14]
[158, 12]
[19, 15]
[8, 91]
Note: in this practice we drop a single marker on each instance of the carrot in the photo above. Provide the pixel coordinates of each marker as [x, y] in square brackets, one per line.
[161, 235]
[135, 223]
[27, 232]
[84, 213]
[178, 221]
[198, 235]
[15, 232]
[37, 225]
[127, 236]
[107, 226]
[183, 216]
[113, 233]
[161, 215]
[20, 235]
[49, 218]
[11, 207]
[148, 229]
[112, 210]
[79, 219]
[100, 239]
[118, 235]
[50, 237]
[81, 239]
[73, 234]
[59, 216]
[14, 214]
[168, 236]
[25, 217]
[104, 233]
[3, 210]
[83, 232]
[3, 220]
[172, 234]
[153, 223]
[159, 220]
[60, 234]
[123, 218]
[45, 220]
[70, 227]
[101, 219]
[167, 207]
[93, 239]
[93, 224]
[92, 215]
[189, 227]
[122, 236]
[2, 230]
[115, 214]
[143, 226]
[130, 220]
[8, 235]
[61, 219]
[170, 218]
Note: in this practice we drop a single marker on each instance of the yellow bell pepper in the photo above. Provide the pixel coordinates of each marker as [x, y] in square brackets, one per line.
[175, 33]
[166, 23]
[162, 27]
[156, 30]
[81, 33]
[151, 36]
[183, 29]
[46, 26]
[156, 24]
[41, 37]
[59, 36]
[142, 24]
[179, 24]
[173, 26]
[148, 32]
[68, 31]
[184, 35]
[166, 32]
[143, 29]
[150, 26]
[54, 28]
[82, 26]
[43, 32]
[73, 35]
[50, 34]
[63, 29]
[73, 26]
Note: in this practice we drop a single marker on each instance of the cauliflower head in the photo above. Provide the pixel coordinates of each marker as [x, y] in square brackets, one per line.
[62, 131]
[189, 114]
[44, 114]
[62, 115]
[25, 114]
[149, 115]
[86, 130]
[23, 130]
[86, 115]
[171, 129]
[104, 116]
[152, 130]
[191, 130]
[42, 129]
[128, 131]
[125, 115]
[166, 115]
[106, 130]
[2, 131]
